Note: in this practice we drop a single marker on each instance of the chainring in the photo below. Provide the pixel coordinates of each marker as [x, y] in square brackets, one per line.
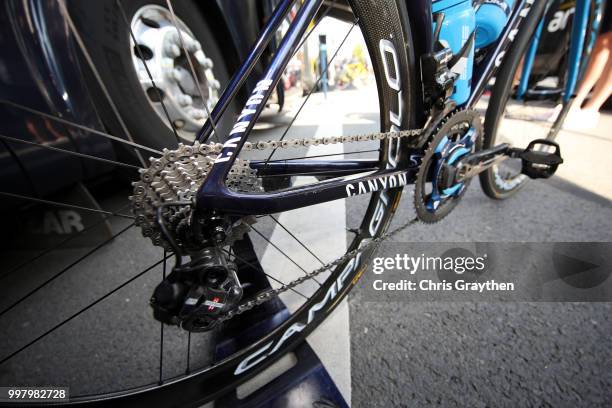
[447, 144]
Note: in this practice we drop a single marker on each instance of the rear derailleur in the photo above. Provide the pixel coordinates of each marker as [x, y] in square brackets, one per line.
[196, 294]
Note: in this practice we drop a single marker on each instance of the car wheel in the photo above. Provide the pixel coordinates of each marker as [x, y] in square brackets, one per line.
[121, 66]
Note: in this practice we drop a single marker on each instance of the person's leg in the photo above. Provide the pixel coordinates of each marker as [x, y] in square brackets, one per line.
[603, 88]
[517, 74]
[599, 74]
[597, 65]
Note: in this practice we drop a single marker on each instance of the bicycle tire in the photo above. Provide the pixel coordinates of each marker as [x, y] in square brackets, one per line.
[490, 181]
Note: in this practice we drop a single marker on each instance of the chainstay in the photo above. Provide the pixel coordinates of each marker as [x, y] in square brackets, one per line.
[270, 294]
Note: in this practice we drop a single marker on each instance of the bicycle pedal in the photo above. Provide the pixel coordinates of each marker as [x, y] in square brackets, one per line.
[537, 162]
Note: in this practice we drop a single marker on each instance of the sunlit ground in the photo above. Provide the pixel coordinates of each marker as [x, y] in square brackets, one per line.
[587, 157]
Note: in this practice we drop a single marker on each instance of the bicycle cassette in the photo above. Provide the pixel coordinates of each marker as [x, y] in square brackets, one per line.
[176, 176]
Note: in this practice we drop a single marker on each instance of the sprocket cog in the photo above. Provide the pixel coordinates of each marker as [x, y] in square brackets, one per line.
[456, 136]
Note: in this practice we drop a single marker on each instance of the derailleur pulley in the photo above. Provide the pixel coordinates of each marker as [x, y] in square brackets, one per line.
[195, 294]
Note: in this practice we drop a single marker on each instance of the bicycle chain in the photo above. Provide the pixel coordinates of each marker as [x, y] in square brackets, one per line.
[306, 142]
[269, 294]
[178, 173]
[273, 144]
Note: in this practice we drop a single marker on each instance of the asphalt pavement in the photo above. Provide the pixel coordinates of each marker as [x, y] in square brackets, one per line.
[490, 354]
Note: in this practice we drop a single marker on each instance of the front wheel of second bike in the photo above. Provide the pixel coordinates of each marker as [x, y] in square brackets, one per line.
[519, 118]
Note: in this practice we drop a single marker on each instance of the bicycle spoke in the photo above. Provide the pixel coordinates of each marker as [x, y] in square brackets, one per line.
[78, 126]
[144, 62]
[296, 238]
[323, 155]
[283, 253]
[161, 333]
[96, 74]
[188, 351]
[75, 315]
[53, 248]
[310, 92]
[260, 270]
[60, 273]
[327, 172]
[70, 152]
[77, 207]
[191, 67]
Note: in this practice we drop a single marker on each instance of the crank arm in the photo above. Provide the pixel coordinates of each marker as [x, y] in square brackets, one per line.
[475, 163]
[536, 161]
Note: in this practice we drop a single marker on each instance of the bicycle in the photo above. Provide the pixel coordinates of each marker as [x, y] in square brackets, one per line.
[200, 202]
[534, 98]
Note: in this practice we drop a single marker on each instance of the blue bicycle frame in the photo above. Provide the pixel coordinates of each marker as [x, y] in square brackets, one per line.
[214, 195]
[579, 51]
[580, 48]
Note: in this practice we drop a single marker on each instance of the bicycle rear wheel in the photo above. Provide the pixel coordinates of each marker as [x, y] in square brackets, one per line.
[389, 44]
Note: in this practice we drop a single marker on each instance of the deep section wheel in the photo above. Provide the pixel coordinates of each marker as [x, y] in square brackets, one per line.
[105, 328]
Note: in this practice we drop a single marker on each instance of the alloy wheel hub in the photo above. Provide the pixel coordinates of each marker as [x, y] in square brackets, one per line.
[160, 45]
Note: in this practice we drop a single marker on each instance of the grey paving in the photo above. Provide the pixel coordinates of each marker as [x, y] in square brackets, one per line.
[494, 354]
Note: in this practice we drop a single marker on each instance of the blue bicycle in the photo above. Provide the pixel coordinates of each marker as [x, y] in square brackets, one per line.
[535, 86]
[208, 203]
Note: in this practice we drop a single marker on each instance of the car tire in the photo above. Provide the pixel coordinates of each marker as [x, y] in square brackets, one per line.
[107, 39]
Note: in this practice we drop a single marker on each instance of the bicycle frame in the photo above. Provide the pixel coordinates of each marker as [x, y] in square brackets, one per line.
[579, 50]
[214, 195]
[581, 45]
